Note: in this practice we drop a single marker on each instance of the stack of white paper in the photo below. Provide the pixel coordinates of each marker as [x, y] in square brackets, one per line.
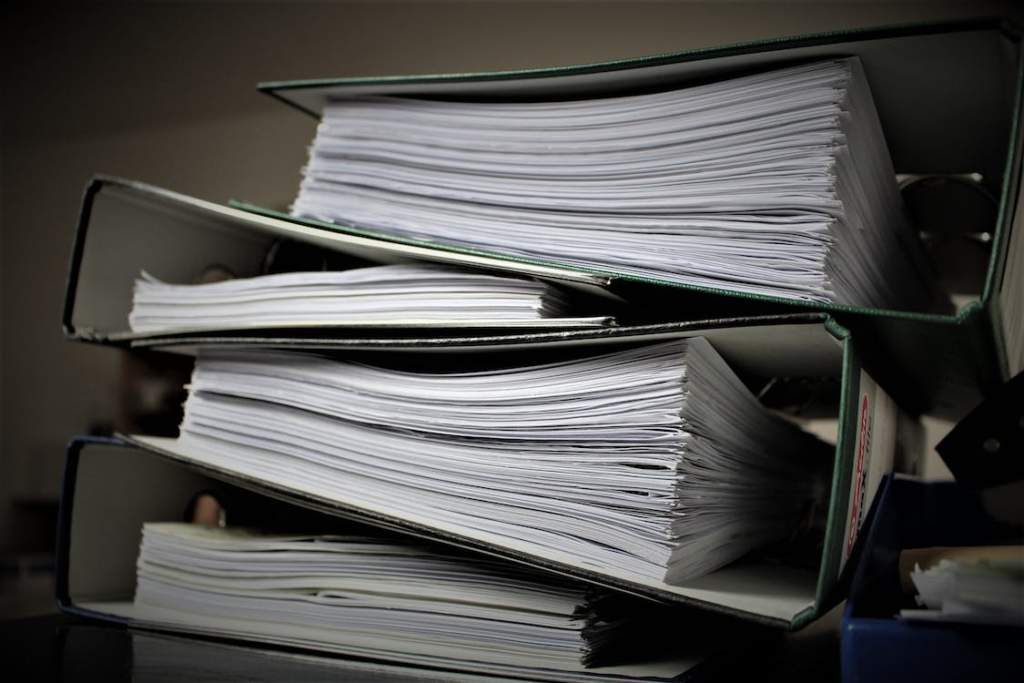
[777, 183]
[652, 462]
[987, 591]
[408, 294]
[369, 597]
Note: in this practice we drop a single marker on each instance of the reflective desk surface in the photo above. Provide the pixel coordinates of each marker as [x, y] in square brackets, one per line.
[70, 649]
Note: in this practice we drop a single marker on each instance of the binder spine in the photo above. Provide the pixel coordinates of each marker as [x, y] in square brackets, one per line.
[64, 529]
[75, 265]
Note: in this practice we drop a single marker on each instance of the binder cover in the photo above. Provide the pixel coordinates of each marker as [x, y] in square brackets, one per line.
[808, 351]
[949, 99]
[126, 227]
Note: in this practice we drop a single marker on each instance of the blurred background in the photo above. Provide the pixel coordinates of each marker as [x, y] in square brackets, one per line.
[164, 92]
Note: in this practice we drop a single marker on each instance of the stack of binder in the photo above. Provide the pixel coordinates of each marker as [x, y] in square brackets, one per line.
[617, 428]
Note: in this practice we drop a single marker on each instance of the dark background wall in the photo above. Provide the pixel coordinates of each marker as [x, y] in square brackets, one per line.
[164, 92]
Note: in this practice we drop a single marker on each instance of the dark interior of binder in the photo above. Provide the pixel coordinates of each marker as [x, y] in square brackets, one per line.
[115, 488]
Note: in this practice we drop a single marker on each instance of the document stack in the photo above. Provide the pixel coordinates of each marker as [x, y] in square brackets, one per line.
[653, 462]
[372, 600]
[579, 324]
[416, 294]
[777, 183]
[379, 598]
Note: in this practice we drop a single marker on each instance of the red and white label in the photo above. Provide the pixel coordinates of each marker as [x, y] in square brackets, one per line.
[875, 445]
[856, 503]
